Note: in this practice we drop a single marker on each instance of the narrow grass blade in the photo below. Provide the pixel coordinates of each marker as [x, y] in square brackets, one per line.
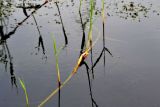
[25, 91]
[89, 43]
[56, 56]
[103, 12]
[80, 5]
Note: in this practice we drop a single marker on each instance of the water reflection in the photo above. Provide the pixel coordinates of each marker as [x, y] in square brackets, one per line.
[40, 40]
[63, 29]
[83, 24]
[126, 10]
[94, 104]
[5, 55]
[7, 60]
[24, 9]
[21, 22]
[59, 96]
[36, 7]
[5, 8]
[104, 49]
[131, 10]
[83, 30]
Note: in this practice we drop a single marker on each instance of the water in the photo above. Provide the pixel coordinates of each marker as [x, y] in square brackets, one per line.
[129, 79]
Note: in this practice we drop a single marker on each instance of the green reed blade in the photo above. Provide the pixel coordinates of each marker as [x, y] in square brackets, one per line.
[56, 56]
[25, 91]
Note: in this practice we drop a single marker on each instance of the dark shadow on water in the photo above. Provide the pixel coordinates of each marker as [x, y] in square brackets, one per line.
[7, 60]
[6, 36]
[40, 40]
[24, 9]
[137, 11]
[29, 7]
[59, 95]
[100, 56]
[104, 49]
[92, 69]
[83, 62]
[83, 30]
[63, 29]
[5, 55]
[94, 104]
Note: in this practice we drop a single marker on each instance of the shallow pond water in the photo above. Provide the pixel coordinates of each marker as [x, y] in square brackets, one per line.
[128, 79]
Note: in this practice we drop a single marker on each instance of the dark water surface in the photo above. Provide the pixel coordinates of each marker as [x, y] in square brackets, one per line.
[129, 79]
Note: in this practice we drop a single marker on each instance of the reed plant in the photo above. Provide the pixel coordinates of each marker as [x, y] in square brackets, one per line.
[82, 57]
[56, 54]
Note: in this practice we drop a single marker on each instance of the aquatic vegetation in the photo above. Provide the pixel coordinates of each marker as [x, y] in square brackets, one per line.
[131, 10]
[90, 31]
[74, 71]
[25, 91]
[103, 11]
[5, 8]
[56, 53]
[123, 9]
[56, 56]
[83, 62]
[82, 57]
[91, 23]
[80, 5]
